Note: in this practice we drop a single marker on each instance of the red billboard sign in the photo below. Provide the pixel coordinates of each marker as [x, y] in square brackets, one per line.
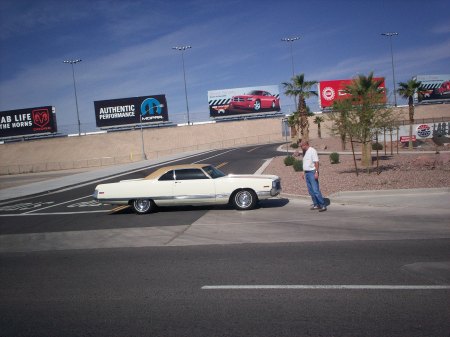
[405, 139]
[329, 91]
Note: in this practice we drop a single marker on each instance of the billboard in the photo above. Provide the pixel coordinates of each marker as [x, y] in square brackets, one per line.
[436, 87]
[425, 130]
[244, 101]
[132, 110]
[30, 121]
[330, 91]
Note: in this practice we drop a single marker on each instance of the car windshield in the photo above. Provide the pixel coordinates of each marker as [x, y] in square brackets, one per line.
[256, 93]
[213, 172]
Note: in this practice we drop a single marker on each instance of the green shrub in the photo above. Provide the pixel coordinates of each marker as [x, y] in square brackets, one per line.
[334, 158]
[294, 145]
[377, 146]
[298, 165]
[289, 161]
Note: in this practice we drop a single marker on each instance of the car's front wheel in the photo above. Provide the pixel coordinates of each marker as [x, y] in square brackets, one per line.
[257, 105]
[142, 206]
[244, 200]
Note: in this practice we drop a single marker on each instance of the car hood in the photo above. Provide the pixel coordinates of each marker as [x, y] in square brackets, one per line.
[246, 96]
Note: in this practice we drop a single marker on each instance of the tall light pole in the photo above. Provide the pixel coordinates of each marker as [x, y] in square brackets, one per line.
[72, 62]
[290, 40]
[182, 49]
[390, 35]
[142, 137]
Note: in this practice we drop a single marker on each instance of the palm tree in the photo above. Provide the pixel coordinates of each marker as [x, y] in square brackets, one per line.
[301, 89]
[317, 121]
[407, 90]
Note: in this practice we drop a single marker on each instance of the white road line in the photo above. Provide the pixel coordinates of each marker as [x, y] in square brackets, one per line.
[328, 287]
[219, 154]
[56, 213]
[263, 166]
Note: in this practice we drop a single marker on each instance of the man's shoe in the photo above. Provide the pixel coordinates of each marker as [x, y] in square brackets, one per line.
[314, 208]
[322, 209]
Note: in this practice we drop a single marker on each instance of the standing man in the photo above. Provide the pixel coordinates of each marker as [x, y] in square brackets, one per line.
[311, 175]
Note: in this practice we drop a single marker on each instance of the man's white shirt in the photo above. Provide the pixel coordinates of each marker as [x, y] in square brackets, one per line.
[309, 158]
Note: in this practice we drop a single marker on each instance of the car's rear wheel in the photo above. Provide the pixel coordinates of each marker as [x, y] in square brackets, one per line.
[142, 206]
[244, 200]
[257, 105]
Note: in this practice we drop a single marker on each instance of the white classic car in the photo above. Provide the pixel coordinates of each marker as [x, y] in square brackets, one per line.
[192, 184]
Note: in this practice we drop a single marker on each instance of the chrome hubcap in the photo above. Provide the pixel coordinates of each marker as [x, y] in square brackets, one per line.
[142, 205]
[243, 199]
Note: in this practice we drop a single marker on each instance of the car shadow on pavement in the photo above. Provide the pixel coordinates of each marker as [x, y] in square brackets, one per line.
[268, 203]
[273, 203]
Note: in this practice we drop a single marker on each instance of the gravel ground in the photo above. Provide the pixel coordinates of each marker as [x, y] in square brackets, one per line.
[408, 169]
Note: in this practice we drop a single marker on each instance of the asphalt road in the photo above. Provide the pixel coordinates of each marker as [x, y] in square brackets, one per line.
[163, 291]
[71, 267]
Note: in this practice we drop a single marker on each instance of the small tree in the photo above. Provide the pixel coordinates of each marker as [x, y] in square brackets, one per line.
[367, 114]
[341, 124]
[303, 90]
[362, 115]
[318, 120]
[338, 118]
[408, 90]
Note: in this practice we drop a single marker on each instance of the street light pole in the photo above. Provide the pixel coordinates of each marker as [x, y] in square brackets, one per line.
[142, 138]
[72, 62]
[290, 40]
[182, 49]
[390, 35]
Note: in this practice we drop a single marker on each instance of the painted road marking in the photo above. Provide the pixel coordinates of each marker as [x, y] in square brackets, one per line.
[24, 206]
[328, 287]
[82, 204]
[61, 203]
[55, 213]
[221, 164]
[119, 208]
[217, 155]
[255, 148]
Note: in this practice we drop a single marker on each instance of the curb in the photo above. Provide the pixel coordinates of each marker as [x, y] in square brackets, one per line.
[392, 192]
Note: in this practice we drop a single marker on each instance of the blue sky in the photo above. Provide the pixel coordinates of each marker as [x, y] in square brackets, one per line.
[126, 48]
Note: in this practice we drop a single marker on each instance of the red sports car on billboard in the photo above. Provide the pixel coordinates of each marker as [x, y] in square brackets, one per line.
[444, 89]
[256, 100]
